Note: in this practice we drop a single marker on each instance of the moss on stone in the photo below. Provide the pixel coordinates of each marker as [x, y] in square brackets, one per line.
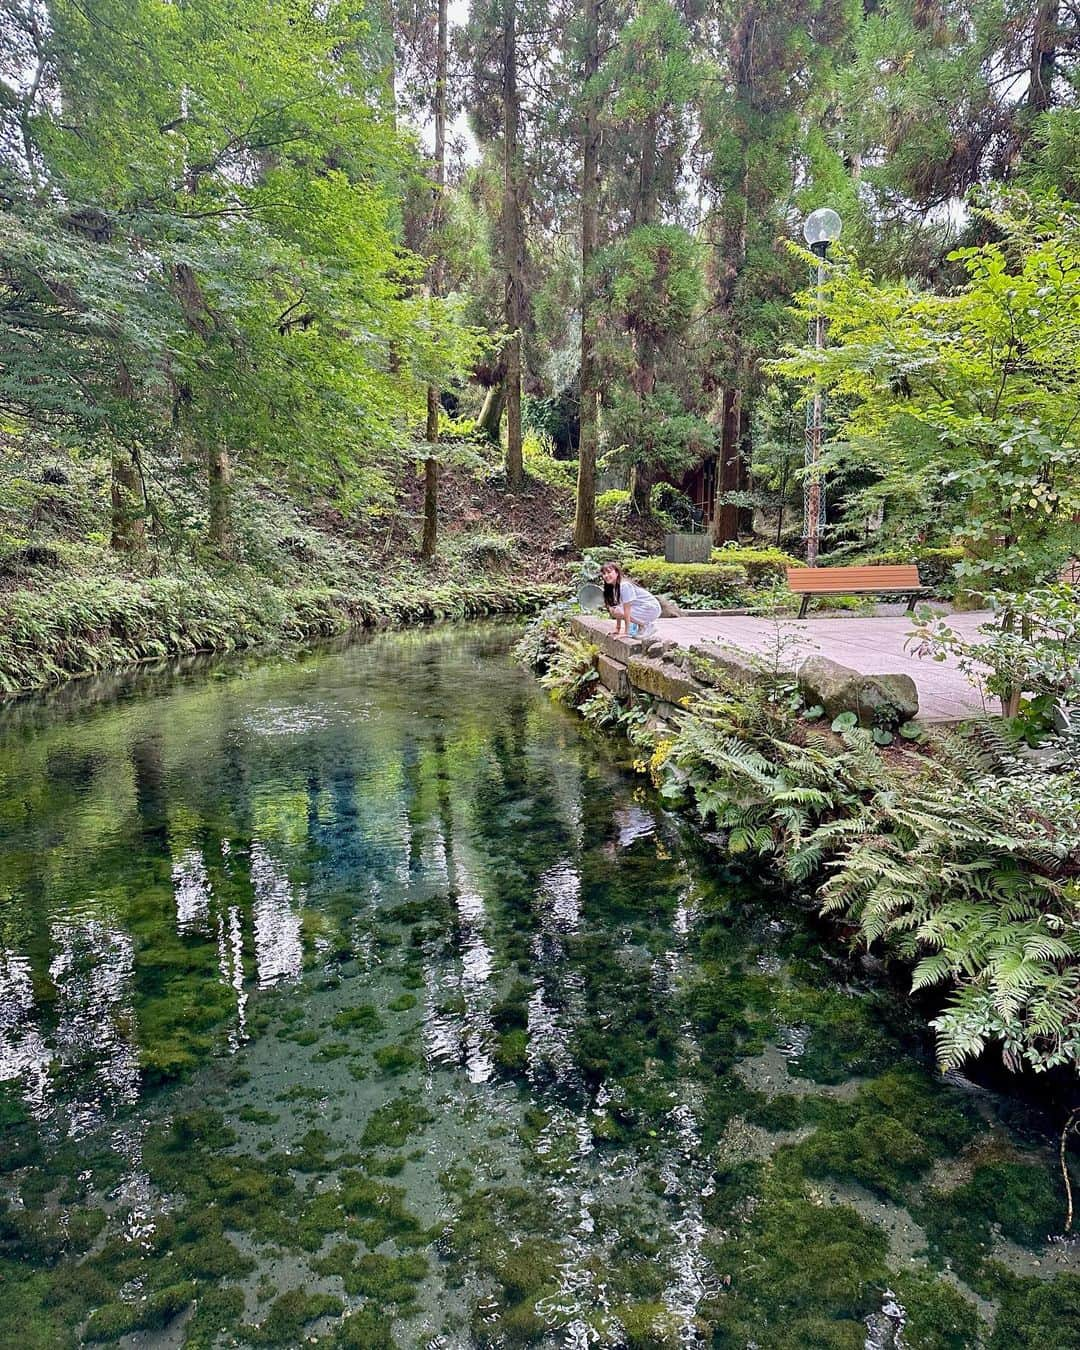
[939, 1317]
[895, 1128]
[795, 1266]
[844, 1033]
[218, 1314]
[367, 1329]
[289, 1315]
[648, 1326]
[362, 1017]
[1037, 1314]
[396, 1059]
[120, 1319]
[1020, 1199]
[389, 1281]
[332, 1050]
[402, 1003]
[390, 1125]
[512, 1051]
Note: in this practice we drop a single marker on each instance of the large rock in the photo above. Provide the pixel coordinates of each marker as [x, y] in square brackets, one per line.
[600, 632]
[613, 676]
[715, 665]
[877, 700]
[660, 680]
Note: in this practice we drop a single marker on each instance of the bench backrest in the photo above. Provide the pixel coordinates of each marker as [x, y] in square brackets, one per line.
[848, 580]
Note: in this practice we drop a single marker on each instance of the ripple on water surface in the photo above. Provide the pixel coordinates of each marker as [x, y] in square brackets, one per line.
[360, 999]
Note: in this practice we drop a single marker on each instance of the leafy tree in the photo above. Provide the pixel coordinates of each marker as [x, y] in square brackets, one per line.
[964, 404]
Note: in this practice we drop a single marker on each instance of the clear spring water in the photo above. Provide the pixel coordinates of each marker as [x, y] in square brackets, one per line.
[364, 999]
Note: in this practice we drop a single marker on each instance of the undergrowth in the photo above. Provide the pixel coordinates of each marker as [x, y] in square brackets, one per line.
[959, 856]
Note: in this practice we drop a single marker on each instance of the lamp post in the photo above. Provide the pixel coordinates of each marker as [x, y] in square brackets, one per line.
[820, 229]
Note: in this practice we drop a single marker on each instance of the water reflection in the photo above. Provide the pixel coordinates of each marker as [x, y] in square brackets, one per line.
[381, 918]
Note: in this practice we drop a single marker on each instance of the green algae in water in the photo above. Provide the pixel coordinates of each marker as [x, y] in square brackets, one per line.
[571, 1136]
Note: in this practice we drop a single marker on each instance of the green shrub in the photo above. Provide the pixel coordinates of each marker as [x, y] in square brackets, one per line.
[760, 564]
[614, 502]
[76, 626]
[538, 453]
[935, 564]
[673, 506]
[721, 583]
[482, 551]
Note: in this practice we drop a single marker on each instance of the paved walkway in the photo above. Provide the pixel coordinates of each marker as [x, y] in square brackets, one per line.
[875, 645]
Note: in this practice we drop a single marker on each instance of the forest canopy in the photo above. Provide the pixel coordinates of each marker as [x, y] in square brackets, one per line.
[323, 246]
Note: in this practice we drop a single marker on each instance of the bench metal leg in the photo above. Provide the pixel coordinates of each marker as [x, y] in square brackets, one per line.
[911, 603]
[805, 605]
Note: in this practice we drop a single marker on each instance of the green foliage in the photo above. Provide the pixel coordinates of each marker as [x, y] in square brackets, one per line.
[956, 855]
[759, 564]
[612, 505]
[538, 452]
[936, 565]
[1032, 645]
[721, 581]
[960, 407]
[91, 624]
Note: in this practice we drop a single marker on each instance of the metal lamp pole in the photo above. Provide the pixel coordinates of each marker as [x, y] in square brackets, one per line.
[820, 229]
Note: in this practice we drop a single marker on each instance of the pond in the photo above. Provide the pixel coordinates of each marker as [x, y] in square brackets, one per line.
[363, 999]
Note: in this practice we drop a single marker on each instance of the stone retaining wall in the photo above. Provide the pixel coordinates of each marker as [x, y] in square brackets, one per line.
[671, 674]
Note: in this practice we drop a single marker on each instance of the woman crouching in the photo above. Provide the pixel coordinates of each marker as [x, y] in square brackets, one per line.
[628, 603]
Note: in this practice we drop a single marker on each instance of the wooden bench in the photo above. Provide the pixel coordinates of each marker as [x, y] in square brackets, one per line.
[811, 581]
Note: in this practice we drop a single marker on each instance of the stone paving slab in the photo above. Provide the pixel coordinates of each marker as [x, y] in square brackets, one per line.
[872, 645]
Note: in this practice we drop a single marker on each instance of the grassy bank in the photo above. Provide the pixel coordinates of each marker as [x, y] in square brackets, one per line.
[75, 627]
[955, 853]
[71, 605]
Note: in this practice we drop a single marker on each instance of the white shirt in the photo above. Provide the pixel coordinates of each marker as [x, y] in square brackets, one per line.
[630, 591]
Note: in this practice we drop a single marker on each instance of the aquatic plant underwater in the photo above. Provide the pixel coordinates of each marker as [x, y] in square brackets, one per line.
[362, 998]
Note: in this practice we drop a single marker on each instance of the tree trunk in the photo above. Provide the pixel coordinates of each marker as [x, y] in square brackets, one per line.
[1044, 55]
[641, 481]
[128, 498]
[643, 475]
[491, 413]
[128, 507]
[429, 543]
[218, 484]
[513, 247]
[588, 422]
[730, 476]
[431, 509]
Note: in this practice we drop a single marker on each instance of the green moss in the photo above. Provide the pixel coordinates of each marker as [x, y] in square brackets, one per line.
[367, 1329]
[1021, 1198]
[217, 1313]
[1037, 1314]
[289, 1315]
[648, 1326]
[526, 1269]
[845, 1037]
[254, 1116]
[330, 1051]
[396, 1059]
[361, 1018]
[794, 1265]
[119, 1319]
[299, 1093]
[375, 1211]
[202, 1251]
[512, 1012]
[387, 1280]
[512, 1051]
[939, 1317]
[391, 1124]
[891, 1133]
[402, 1003]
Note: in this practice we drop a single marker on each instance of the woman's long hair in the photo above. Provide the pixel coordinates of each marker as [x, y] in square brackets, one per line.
[613, 589]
